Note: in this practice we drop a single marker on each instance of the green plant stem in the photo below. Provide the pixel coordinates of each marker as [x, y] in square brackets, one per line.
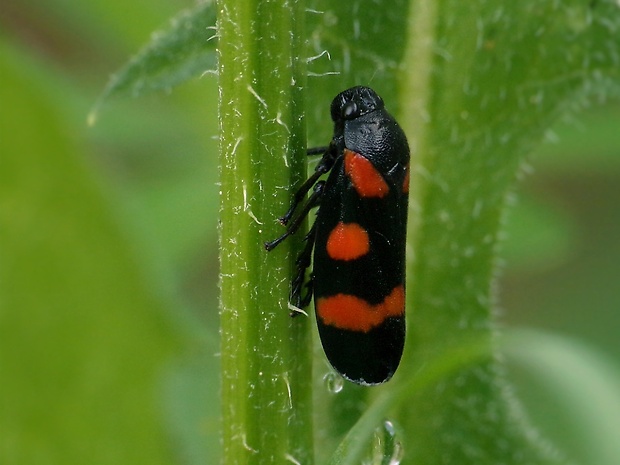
[266, 356]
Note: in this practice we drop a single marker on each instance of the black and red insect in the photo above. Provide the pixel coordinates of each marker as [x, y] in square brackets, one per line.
[358, 276]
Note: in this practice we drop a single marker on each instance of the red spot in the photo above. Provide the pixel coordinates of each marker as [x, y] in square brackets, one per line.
[352, 313]
[347, 241]
[406, 181]
[367, 181]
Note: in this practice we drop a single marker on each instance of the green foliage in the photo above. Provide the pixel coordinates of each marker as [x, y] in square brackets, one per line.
[560, 372]
[172, 57]
[476, 86]
[266, 399]
[68, 283]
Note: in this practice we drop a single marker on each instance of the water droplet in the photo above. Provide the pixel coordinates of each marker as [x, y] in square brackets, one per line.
[386, 448]
[333, 382]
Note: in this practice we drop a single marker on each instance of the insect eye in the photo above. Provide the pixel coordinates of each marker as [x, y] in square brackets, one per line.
[350, 110]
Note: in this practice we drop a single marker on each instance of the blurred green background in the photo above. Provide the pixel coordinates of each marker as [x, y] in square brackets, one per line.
[108, 245]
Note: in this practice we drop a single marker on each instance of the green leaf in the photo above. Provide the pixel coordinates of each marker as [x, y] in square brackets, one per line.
[173, 56]
[574, 391]
[454, 360]
[82, 340]
[498, 74]
[479, 85]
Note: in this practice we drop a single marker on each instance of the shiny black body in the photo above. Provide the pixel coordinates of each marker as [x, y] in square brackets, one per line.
[364, 127]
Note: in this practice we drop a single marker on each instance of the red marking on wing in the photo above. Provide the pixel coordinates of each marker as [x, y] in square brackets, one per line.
[353, 313]
[367, 181]
[406, 181]
[347, 241]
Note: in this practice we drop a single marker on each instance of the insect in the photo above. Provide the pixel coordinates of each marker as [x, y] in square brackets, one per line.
[358, 239]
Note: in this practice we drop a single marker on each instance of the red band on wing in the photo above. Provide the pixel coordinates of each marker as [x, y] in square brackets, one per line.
[352, 313]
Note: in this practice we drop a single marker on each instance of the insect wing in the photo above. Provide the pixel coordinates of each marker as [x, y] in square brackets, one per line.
[359, 268]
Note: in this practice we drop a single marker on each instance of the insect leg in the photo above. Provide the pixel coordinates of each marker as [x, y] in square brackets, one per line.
[323, 167]
[316, 150]
[312, 202]
[303, 263]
